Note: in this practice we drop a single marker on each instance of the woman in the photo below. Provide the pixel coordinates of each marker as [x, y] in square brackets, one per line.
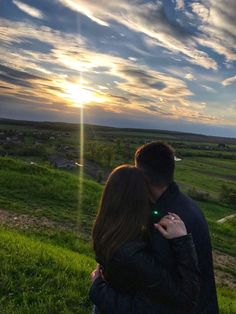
[121, 243]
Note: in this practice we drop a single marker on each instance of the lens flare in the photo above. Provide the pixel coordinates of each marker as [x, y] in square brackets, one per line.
[81, 156]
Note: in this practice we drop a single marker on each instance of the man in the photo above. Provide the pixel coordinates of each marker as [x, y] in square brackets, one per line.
[156, 159]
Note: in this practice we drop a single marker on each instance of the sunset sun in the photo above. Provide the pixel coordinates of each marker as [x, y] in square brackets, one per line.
[80, 95]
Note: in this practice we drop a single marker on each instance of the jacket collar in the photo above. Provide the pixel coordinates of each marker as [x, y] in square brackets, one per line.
[167, 198]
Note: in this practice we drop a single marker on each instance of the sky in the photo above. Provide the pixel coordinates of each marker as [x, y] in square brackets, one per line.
[167, 64]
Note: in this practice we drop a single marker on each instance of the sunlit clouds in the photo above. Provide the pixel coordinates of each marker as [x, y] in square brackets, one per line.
[138, 62]
[28, 9]
[229, 81]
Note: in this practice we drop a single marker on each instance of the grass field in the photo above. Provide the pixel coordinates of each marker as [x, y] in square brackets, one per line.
[44, 191]
[40, 278]
[207, 174]
[45, 228]
[46, 270]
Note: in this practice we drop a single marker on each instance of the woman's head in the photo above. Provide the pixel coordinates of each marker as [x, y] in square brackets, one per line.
[124, 211]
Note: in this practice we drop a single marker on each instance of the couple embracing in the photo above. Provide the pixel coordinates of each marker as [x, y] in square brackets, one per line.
[151, 242]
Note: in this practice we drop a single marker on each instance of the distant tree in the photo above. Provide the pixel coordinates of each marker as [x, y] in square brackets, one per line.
[99, 176]
[221, 146]
[227, 194]
[118, 144]
[91, 150]
[108, 156]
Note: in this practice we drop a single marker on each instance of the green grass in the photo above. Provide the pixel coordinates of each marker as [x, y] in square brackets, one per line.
[43, 191]
[47, 270]
[227, 301]
[37, 277]
[207, 174]
[206, 153]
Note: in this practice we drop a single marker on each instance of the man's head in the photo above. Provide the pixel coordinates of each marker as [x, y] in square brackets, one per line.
[157, 161]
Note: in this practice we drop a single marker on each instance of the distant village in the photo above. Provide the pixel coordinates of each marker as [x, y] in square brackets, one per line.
[58, 148]
[20, 143]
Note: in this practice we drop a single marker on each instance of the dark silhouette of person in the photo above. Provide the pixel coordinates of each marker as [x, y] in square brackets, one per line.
[156, 160]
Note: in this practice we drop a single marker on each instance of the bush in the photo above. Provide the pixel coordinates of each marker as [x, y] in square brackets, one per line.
[198, 195]
[227, 194]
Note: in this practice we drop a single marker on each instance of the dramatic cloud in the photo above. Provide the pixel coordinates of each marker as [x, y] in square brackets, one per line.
[217, 24]
[137, 61]
[149, 18]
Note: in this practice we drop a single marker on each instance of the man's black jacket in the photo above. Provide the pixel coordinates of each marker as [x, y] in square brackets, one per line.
[171, 201]
[135, 268]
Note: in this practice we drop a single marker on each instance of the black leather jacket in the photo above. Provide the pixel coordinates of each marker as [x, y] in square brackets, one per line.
[135, 271]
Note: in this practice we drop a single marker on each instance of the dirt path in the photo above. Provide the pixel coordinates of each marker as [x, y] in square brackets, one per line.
[24, 221]
[226, 218]
[222, 263]
[230, 177]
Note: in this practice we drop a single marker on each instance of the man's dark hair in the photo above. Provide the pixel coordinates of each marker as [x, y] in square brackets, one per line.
[157, 161]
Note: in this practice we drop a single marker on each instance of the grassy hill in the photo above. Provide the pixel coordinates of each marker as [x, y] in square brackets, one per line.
[45, 252]
[40, 278]
[43, 191]
[45, 269]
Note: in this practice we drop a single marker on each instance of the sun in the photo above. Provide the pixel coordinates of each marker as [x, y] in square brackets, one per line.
[79, 95]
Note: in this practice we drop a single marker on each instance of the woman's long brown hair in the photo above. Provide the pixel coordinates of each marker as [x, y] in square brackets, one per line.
[124, 211]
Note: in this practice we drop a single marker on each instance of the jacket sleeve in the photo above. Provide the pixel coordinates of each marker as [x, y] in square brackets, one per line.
[148, 274]
[108, 300]
[180, 287]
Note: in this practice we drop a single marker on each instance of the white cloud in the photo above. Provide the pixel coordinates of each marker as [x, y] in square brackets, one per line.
[179, 4]
[148, 18]
[28, 9]
[79, 6]
[217, 26]
[229, 81]
[189, 77]
[208, 88]
[200, 10]
[222, 15]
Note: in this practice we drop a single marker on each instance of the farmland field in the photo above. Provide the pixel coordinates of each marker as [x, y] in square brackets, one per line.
[45, 246]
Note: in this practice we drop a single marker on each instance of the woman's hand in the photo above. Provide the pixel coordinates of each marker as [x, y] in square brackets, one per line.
[171, 226]
[96, 273]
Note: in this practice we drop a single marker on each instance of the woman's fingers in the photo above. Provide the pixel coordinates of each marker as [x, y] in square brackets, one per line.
[162, 230]
[171, 226]
[170, 217]
[175, 216]
[163, 222]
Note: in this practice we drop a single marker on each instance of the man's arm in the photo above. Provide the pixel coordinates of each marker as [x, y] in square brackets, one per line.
[108, 300]
[150, 276]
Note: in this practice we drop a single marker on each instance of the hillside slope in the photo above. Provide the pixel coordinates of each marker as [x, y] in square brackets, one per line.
[41, 278]
[45, 262]
[44, 191]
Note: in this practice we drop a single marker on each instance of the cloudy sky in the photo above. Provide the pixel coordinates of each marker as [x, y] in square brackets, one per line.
[150, 64]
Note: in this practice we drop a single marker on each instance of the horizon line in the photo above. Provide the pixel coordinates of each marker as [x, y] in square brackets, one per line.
[124, 128]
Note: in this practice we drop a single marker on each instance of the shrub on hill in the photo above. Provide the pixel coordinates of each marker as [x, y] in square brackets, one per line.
[198, 195]
[227, 194]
